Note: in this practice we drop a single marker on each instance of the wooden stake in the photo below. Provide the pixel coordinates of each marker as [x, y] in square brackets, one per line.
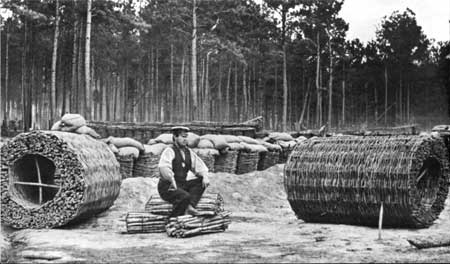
[38, 170]
[380, 221]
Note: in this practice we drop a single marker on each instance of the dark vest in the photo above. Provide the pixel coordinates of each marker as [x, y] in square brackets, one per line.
[177, 167]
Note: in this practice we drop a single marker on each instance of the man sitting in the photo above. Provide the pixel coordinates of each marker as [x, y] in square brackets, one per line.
[184, 176]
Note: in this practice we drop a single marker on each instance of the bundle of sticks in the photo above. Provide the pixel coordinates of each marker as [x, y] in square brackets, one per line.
[143, 222]
[188, 225]
[210, 204]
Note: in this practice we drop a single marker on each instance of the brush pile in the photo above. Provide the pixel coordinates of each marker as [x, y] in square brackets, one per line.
[210, 204]
[188, 225]
[346, 179]
[51, 178]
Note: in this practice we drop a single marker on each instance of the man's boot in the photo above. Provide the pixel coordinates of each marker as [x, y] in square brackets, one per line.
[192, 211]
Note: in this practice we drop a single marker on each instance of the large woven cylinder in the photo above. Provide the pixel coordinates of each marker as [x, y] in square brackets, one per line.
[51, 178]
[346, 179]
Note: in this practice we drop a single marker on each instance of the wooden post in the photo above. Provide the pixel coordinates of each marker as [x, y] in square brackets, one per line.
[38, 170]
[380, 221]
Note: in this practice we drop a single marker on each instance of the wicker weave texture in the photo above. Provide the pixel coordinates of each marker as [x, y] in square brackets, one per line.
[86, 173]
[247, 162]
[345, 180]
[146, 165]
[268, 159]
[226, 162]
[126, 165]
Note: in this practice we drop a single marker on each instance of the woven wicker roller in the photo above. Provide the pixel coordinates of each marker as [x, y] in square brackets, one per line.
[51, 178]
[346, 179]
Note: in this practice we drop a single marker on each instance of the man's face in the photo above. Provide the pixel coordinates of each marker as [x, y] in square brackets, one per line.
[181, 140]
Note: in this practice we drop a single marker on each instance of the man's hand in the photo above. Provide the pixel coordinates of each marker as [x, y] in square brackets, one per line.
[205, 181]
[173, 185]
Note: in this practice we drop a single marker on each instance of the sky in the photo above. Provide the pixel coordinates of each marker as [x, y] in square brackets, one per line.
[364, 16]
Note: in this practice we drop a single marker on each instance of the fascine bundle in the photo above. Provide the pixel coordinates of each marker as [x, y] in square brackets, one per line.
[210, 204]
[346, 179]
[51, 178]
[188, 225]
[144, 222]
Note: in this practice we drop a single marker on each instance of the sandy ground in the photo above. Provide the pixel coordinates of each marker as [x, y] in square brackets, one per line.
[263, 229]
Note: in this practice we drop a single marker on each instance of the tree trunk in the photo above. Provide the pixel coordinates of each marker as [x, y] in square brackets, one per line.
[376, 104]
[87, 59]
[330, 87]
[274, 100]
[207, 103]
[343, 102]
[408, 102]
[244, 89]
[236, 107]
[194, 61]
[385, 94]
[183, 93]
[285, 89]
[7, 112]
[172, 94]
[54, 57]
[219, 104]
[22, 81]
[318, 88]
[305, 103]
[227, 97]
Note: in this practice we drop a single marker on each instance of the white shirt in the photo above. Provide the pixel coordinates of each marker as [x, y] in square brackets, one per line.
[197, 164]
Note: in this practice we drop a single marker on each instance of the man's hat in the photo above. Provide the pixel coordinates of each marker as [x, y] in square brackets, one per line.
[179, 128]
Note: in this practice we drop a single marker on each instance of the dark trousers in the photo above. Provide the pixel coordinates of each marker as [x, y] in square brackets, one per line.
[188, 192]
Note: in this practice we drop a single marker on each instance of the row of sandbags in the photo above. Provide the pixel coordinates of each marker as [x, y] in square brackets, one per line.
[276, 141]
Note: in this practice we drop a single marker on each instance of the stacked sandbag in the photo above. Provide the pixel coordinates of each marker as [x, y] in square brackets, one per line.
[228, 154]
[286, 142]
[126, 150]
[249, 155]
[269, 158]
[207, 155]
[74, 123]
[147, 163]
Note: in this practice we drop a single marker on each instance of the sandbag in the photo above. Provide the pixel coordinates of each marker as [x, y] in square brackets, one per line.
[206, 152]
[155, 149]
[87, 131]
[281, 136]
[126, 142]
[113, 148]
[232, 139]
[56, 126]
[248, 140]
[218, 141]
[73, 120]
[205, 143]
[165, 138]
[152, 141]
[125, 151]
[300, 139]
[192, 140]
[235, 146]
[270, 146]
[287, 144]
[253, 147]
